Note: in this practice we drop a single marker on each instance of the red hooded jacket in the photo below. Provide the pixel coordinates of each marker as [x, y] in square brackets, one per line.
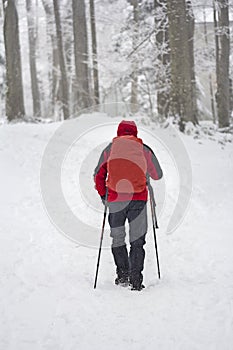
[101, 171]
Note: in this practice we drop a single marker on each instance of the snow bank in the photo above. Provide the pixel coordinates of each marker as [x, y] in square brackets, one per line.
[47, 299]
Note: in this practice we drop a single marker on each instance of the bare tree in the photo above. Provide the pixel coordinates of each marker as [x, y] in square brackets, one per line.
[215, 13]
[183, 99]
[64, 82]
[14, 95]
[32, 59]
[134, 75]
[191, 29]
[94, 53]
[222, 63]
[162, 43]
[210, 73]
[81, 54]
[67, 28]
[54, 74]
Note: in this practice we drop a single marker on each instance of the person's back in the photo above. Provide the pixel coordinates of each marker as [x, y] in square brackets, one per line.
[126, 165]
[120, 178]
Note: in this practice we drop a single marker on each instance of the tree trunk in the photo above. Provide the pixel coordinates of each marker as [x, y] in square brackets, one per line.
[32, 59]
[210, 74]
[81, 54]
[68, 37]
[162, 44]
[134, 76]
[54, 76]
[14, 95]
[216, 42]
[191, 30]
[183, 99]
[223, 82]
[94, 53]
[64, 83]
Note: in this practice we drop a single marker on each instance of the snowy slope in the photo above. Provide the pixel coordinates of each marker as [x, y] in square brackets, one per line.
[47, 299]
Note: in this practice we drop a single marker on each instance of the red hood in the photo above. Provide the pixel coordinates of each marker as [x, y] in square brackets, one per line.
[127, 128]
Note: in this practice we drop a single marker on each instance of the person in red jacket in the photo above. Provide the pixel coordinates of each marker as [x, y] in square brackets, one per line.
[121, 179]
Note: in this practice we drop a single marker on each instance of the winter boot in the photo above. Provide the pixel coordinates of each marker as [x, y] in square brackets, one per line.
[137, 285]
[136, 282]
[122, 279]
[121, 259]
[137, 256]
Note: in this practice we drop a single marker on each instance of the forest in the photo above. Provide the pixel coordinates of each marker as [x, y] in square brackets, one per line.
[158, 58]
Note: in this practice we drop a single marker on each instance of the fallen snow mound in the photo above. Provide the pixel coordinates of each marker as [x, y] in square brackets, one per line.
[47, 299]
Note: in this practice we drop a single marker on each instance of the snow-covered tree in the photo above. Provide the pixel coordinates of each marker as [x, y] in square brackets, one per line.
[32, 59]
[62, 64]
[94, 52]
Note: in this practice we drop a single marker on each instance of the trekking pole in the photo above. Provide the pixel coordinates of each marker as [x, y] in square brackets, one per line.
[155, 223]
[101, 239]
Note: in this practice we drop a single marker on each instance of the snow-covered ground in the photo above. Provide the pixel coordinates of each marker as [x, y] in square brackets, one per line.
[47, 300]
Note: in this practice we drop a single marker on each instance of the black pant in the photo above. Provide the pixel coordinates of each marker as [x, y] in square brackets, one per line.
[136, 214]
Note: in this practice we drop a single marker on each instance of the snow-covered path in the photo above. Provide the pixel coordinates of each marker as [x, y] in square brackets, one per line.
[47, 299]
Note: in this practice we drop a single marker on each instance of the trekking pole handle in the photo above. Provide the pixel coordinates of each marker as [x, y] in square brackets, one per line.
[151, 192]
